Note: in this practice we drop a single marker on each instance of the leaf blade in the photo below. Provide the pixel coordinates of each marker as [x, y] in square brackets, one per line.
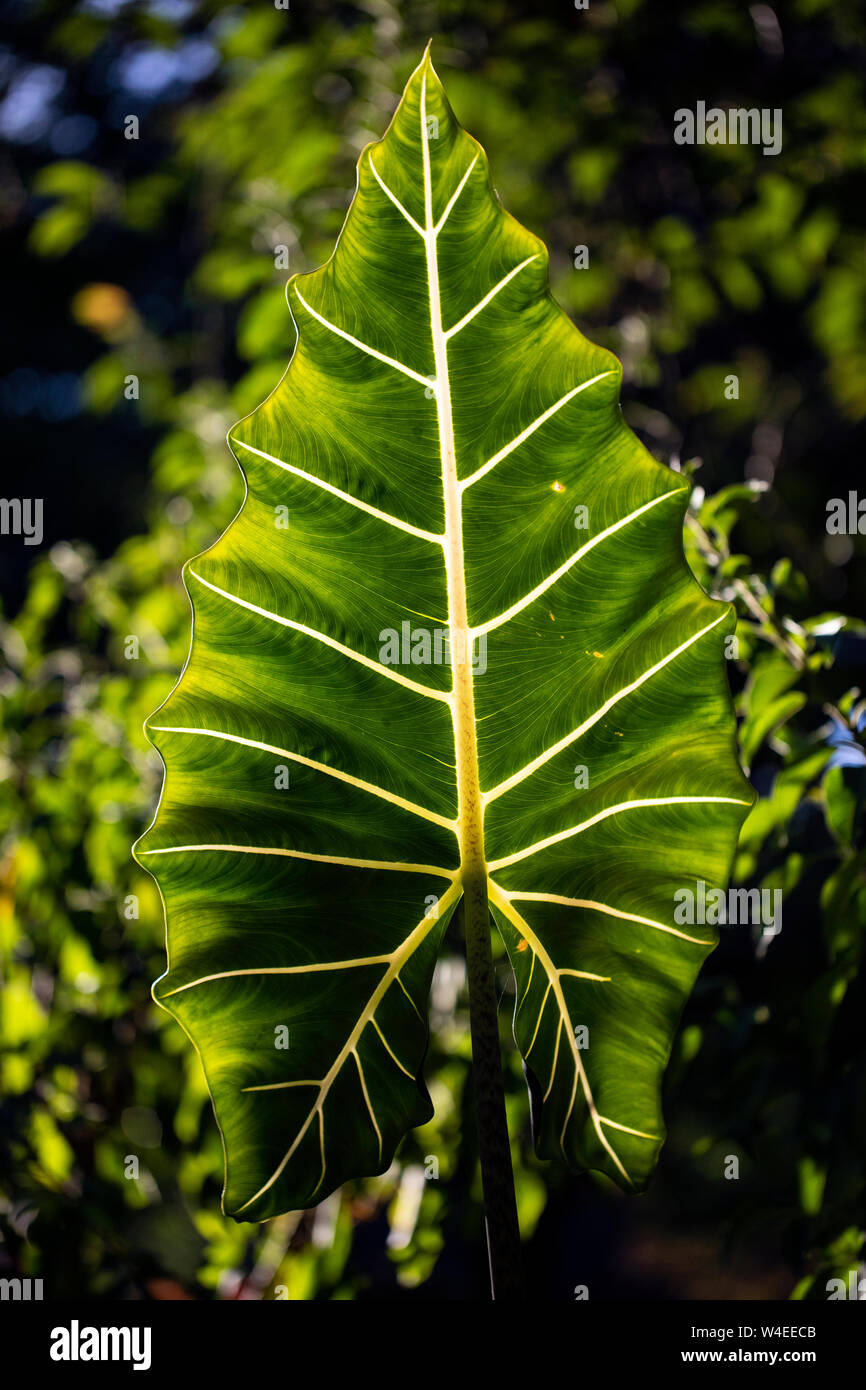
[487, 423]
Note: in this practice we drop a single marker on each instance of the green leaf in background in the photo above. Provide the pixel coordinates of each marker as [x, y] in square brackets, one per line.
[450, 645]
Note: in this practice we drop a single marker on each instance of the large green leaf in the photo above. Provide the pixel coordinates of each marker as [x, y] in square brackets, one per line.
[439, 429]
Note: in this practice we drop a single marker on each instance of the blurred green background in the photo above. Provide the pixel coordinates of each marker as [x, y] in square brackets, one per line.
[156, 259]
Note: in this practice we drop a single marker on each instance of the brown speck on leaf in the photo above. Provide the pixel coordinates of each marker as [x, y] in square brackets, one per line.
[559, 487]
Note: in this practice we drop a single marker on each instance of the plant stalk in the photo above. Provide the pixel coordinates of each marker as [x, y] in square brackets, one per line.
[500, 1206]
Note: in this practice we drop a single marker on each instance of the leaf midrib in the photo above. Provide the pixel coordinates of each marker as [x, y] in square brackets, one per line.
[470, 811]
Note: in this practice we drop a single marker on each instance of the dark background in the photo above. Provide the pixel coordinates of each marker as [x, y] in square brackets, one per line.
[155, 257]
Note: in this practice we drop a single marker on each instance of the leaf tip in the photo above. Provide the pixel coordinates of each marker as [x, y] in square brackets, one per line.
[426, 64]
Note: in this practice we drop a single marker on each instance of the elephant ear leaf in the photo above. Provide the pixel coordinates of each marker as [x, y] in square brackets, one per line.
[450, 644]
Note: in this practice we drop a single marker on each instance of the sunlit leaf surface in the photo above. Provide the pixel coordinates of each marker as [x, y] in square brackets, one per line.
[451, 634]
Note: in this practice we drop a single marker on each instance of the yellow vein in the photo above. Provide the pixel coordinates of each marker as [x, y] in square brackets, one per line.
[389, 1049]
[362, 660]
[627, 1129]
[280, 1085]
[592, 906]
[396, 201]
[612, 811]
[364, 347]
[482, 303]
[363, 1081]
[580, 1077]
[538, 1022]
[398, 960]
[434, 231]
[408, 996]
[395, 866]
[567, 564]
[344, 496]
[314, 968]
[528, 987]
[569, 738]
[555, 1060]
[370, 787]
[322, 1152]
[584, 974]
[530, 429]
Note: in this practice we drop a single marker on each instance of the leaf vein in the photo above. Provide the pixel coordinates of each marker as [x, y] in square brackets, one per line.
[362, 660]
[411, 806]
[363, 347]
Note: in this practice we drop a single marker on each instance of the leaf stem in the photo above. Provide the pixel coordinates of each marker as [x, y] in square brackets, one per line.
[500, 1206]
